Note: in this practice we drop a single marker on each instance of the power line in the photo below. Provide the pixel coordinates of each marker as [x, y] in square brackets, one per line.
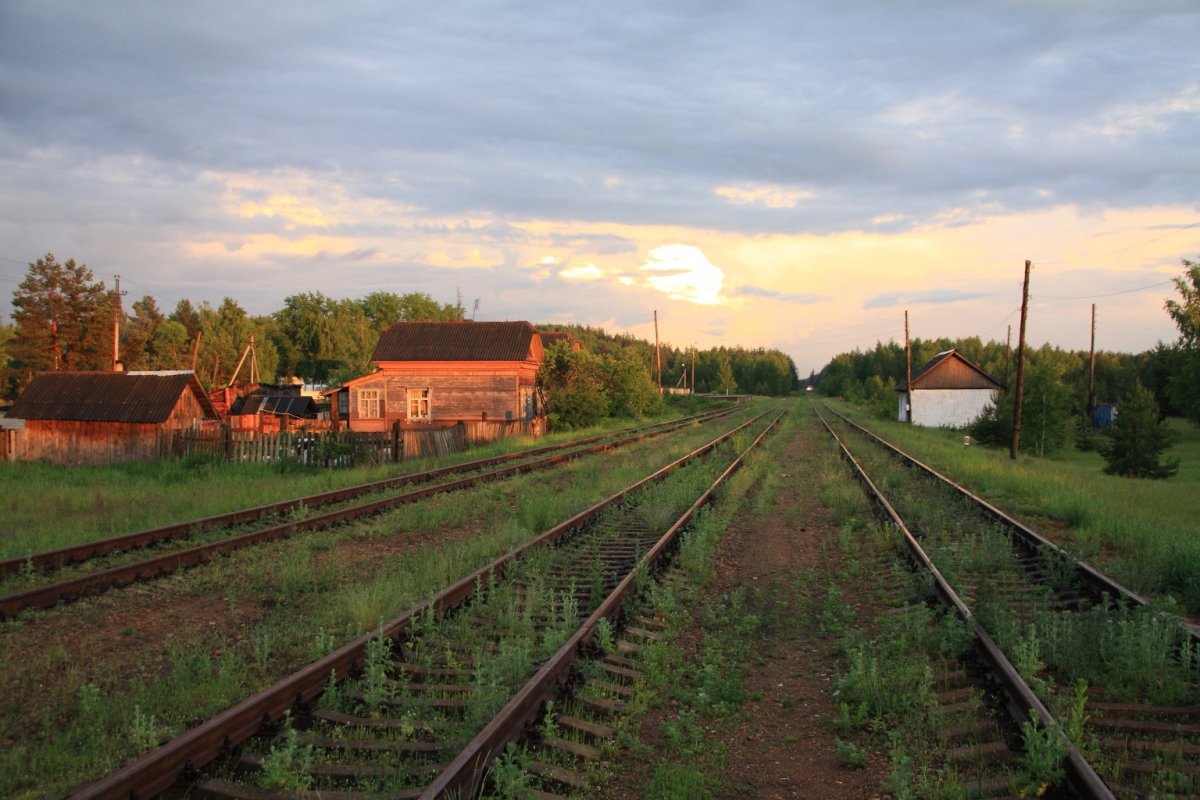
[1109, 294]
[1124, 249]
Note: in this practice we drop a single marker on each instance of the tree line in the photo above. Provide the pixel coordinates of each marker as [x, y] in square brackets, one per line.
[63, 319]
[1147, 386]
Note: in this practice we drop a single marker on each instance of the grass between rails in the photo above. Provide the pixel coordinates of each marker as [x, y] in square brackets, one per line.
[1069, 657]
[1142, 532]
[260, 614]
[96, 502]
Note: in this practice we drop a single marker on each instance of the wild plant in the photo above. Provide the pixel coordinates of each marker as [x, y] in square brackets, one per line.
[323, 644]
[849, 754]
[377, 684]
[508, 777]
[604, 636]
[288, 763]
[144, 730]
[1041, 761]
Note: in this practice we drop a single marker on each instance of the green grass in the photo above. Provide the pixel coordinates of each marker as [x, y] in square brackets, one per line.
[294, 601]
[45, 506]
[1142, 532]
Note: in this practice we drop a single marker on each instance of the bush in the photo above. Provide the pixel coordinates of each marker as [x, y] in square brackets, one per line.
[1139, 438]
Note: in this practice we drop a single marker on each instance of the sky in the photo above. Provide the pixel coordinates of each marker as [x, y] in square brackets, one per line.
[793, 174]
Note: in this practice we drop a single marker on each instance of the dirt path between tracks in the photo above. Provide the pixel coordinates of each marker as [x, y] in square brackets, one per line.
[783, 742]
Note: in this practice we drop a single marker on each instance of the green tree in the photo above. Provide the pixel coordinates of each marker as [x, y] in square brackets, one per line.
[1183, 386]
[8, 387]
[169, 347]
[137, 334]
[725, 380]
[62, 319]
[630, 390]
[1139, 439]
[225, 334]
[575, 387]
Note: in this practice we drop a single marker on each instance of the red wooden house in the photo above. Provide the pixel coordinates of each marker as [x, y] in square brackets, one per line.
[106, 417]
[432, 375]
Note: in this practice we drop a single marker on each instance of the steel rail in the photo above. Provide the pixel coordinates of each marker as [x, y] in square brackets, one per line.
[1082, 776]
[93, 583]
[159, 769]
[463, 777]
[1099, 582]
[63, 556]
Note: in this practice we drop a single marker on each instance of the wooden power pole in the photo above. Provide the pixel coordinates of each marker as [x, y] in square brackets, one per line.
[657, 353]
[1018, 401]
[116, 361]
[1091, 399]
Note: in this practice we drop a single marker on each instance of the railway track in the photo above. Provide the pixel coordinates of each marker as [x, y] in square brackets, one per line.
[1125, 673]
[424, 705]
[278, 520]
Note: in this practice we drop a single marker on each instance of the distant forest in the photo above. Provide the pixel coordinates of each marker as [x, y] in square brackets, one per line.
[64, 320]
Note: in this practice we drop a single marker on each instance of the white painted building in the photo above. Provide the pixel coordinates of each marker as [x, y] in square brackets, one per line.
[948, 392]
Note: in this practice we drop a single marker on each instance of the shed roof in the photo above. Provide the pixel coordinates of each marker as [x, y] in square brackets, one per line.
[290, 405]
[950, 369]
[147, 397]
[457, 341]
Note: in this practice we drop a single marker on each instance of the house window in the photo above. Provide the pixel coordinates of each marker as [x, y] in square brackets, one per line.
[368, 404]
[418, 404]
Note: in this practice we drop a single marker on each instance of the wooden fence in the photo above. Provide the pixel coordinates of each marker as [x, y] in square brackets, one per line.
[318, 448]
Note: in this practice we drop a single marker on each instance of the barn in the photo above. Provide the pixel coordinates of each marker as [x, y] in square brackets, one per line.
[106, 417]
[432, 375]
[948, 392]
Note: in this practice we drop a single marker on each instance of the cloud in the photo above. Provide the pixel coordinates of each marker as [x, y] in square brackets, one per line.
[586, 272]
[682, 272]
[934, 296]
[771, 294]
[765, 196]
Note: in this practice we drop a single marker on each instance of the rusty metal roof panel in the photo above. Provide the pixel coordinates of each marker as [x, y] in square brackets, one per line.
[457, 341]
[950, 369]
[144, 397]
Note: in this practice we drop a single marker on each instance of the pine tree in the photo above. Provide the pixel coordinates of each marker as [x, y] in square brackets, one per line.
[63, 321]
[1139, 438]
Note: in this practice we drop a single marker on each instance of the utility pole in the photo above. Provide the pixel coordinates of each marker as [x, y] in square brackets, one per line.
[907, 371]
[1018, 400]
[657, 353]
[1091, 400]
[116, 360]
[693, 370]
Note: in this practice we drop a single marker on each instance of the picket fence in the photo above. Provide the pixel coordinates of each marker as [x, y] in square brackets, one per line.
[317, 448]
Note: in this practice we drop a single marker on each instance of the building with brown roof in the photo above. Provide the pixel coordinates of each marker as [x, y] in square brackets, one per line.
[106, 417]
[433, 375]
[948, 392]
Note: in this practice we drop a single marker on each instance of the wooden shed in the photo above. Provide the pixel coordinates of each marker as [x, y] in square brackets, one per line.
[432, 375]
[948, 392]
[106, 417]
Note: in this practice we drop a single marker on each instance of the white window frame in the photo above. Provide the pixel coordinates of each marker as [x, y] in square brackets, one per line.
[420, 399]
[369, 404]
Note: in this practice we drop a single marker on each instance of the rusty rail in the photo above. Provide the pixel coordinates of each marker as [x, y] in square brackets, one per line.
[146, 569]
[73, 554]
[159, 769]
[1080, 773]
[464, 776]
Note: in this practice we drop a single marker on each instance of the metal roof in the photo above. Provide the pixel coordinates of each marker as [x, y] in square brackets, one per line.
[291, 405]
[950, 369]
[107, 396]
[456, 341]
